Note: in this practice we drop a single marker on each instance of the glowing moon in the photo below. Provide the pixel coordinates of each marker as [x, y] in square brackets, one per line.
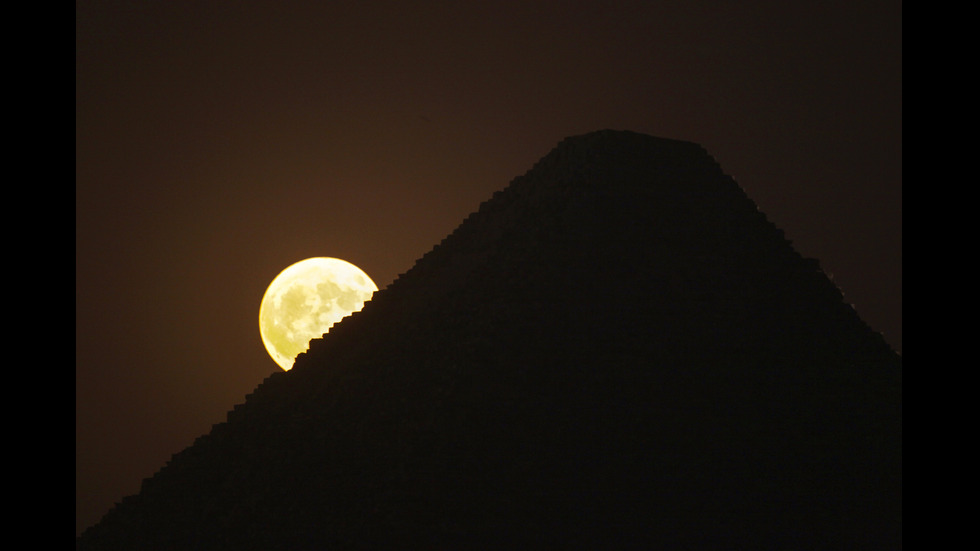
[305, 300]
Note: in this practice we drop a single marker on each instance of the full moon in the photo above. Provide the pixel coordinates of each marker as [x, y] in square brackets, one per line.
[305, 300]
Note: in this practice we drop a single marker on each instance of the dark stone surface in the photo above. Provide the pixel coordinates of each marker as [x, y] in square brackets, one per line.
[616, 351]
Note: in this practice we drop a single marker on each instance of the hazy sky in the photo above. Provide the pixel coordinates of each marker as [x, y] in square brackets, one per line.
[218, 142]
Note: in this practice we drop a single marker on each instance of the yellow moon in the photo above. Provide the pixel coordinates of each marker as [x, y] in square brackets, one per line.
[305, 300]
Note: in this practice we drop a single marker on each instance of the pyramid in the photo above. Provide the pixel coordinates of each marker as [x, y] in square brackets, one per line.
[616, 351]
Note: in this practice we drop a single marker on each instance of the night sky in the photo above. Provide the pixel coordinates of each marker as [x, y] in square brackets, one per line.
[218, 142]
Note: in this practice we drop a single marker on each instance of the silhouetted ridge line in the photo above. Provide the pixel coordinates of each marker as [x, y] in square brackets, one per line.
[617, 350]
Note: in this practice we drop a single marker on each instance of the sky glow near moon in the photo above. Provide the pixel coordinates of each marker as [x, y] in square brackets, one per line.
[305, 300]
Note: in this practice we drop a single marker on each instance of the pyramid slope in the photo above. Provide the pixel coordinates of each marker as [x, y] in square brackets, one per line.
[616, 350]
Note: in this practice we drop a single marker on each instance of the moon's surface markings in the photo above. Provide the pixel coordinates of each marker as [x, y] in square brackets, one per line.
[305, 300]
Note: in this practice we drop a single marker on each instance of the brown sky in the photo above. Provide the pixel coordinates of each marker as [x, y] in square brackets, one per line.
[218, 142]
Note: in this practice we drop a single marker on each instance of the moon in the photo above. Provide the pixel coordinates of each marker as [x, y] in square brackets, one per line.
[305, 300]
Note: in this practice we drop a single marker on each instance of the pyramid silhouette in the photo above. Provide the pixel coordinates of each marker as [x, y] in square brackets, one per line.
[616, 351]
